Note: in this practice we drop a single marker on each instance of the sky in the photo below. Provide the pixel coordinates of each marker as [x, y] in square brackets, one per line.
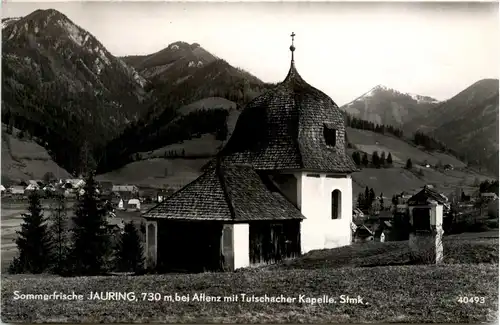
[344, 49]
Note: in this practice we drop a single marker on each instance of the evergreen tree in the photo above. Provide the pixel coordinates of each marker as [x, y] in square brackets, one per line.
[356, 157]
[382, 158]
[381, 200]
[364, 161]
[90, 236]
[366, 197]
[129, 254]
[361, 201]
[48, 177]
[389, 159]
[371, 196]
[87, 161]
[222, 132]
[375, 159]
[33, 241]
[409, 164]
[59, 234]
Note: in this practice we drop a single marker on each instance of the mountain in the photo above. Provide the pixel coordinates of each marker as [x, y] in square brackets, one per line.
[184, 73]
[62, 86]
[172, 63]
[467, 123]
[195, 93]
[8, 21]
[383, 105]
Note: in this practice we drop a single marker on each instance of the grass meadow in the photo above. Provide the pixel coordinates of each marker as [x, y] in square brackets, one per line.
[376, 272]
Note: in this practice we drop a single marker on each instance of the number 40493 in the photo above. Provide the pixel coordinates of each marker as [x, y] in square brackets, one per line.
[471, 300]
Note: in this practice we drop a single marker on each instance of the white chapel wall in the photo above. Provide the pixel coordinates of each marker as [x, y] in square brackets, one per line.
[241, 245]
[319, 230]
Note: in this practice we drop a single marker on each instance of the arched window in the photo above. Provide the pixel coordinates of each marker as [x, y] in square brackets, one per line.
[336, 204]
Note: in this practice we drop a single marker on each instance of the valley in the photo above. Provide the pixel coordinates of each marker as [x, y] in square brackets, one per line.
[184, 106]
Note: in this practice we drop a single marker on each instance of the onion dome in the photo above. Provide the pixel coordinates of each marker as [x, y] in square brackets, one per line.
[291, 127]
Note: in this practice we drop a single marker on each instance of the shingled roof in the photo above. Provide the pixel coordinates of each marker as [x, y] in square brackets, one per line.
[227, 193]
[283, 129]
[426, 196]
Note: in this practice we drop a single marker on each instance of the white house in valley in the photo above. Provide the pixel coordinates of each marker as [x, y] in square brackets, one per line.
[280, 187]
[17, 189]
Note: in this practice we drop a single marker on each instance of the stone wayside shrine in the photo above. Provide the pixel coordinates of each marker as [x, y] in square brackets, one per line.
[279, 188]
[426, 225]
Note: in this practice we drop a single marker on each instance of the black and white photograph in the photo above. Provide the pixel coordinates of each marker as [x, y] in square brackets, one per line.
[249, 162]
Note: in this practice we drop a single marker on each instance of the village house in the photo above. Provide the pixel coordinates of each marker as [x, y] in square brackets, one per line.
[116, 226]
[363, 234]
[400, 208]
[71, 187]
[105, 187]
[125, 188]
[147, 194]
[134, 204]
[50, 188]
[16, 190]
[81, 191]
[126, 192]
[75, 183]
[2, 189]
[280, 187]
[33, 185]
[162, 195]
[121, 204]
[357, 214]
[487, 197]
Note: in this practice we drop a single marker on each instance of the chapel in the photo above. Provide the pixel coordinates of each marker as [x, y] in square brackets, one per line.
[279, 188]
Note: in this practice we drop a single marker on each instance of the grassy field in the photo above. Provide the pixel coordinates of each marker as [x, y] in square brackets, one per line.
[208, 103]
[465, 248]
[25, 159]
[391, 181]
[369, 142]
[426, 293]
[174, 173]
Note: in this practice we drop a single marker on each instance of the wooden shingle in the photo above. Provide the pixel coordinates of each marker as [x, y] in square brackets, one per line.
[226, 193]
[284, 129]
[427, 195]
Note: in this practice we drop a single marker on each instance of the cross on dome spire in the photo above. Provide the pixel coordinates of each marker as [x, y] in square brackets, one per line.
[292, 48]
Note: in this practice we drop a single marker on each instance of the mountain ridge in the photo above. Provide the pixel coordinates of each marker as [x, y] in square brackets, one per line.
[388, 106]
[54, 66]
[386, 88]
[61, 85]
[468, 123]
